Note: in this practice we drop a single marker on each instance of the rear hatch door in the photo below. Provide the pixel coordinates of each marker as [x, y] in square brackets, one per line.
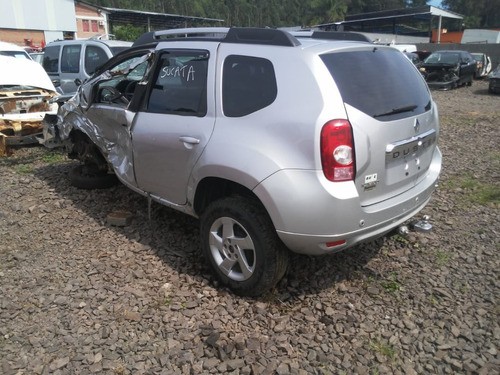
[394, 120]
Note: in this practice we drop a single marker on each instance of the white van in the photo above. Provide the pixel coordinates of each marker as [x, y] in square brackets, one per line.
[12, 50]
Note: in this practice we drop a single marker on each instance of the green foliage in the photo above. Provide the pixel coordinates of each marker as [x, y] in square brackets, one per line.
[474, 191]
[24, 169]
[383, 348]
[392, 285]
[127, 32]
[272, 13]
[53, 157]
[477, 13]
[442, 258]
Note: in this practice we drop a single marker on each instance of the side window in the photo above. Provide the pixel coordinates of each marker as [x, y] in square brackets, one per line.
[70, 59]
[51, 59]
[94, 58]
[180, 84]
[248, 85]
[123, 79]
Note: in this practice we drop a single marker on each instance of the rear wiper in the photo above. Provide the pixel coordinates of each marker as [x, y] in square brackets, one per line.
[395, 111]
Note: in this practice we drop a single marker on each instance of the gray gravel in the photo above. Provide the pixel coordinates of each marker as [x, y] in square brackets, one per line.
[81, 296]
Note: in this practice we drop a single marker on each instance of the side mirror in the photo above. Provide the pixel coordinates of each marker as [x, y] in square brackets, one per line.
[56, 82]
[78, 81]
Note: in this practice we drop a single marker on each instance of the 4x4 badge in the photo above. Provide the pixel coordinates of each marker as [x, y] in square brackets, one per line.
[416, 126]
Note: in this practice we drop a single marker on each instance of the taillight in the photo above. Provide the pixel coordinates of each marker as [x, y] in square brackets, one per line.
[337, 151]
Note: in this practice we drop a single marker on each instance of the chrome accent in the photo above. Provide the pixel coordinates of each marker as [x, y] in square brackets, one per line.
[410, 147]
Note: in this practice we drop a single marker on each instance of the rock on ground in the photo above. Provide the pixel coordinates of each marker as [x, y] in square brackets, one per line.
[81, 296]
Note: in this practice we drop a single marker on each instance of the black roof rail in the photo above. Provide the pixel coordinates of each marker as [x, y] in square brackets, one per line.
[254, 35]
[242, 35]
[145, 38]
[340, 35]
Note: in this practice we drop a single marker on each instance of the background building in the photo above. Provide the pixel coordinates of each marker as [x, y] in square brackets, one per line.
[38, 22]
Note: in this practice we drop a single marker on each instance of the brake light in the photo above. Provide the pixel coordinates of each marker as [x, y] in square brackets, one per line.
[337, 151]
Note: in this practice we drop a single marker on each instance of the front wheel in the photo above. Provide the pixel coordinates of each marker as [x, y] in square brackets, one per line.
[241, 245]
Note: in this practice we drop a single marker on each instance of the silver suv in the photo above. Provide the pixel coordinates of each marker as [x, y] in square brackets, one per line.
[70, 62]
[273, 141]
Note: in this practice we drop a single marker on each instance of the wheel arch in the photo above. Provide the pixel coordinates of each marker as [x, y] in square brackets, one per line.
[210, 189]
[85, 150]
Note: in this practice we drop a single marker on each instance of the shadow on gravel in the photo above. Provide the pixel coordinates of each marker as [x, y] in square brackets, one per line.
[174, 237]
[481, 91]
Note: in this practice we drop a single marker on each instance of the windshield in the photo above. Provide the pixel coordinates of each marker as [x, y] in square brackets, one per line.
[443, 58]
[16, 54]
[380, 82]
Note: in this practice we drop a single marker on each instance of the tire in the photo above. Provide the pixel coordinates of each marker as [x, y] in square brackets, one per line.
[89, 177]
[241, 245]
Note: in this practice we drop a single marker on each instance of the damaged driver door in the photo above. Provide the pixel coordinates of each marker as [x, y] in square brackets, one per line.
[108, 108]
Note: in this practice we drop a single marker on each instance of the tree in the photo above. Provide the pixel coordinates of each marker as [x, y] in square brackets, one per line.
[477, 13]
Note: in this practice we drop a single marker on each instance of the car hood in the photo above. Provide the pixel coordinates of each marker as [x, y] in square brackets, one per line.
[23, 72]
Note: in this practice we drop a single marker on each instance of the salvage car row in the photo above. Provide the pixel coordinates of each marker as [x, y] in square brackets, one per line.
[251, 139]
[71, 62]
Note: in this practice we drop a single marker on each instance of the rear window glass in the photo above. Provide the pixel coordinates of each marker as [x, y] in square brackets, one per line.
[51, 59]
[382, 83]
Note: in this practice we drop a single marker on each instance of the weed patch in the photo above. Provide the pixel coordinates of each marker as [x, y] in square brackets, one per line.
[473, 190]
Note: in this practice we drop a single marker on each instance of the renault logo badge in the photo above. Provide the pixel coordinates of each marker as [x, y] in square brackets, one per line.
[416, 126]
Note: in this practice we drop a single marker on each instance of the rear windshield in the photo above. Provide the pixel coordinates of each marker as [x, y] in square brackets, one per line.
[380, 82]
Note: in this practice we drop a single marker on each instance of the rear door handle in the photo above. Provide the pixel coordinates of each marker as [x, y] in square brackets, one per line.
[190, 140]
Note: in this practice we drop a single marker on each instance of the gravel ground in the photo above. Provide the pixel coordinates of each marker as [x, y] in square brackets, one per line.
[80, 296]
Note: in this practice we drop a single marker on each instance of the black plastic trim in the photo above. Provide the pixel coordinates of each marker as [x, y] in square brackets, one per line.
[340, 35]
[253, 35]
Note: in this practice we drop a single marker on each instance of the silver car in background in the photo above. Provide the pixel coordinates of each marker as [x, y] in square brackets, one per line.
[275, 142]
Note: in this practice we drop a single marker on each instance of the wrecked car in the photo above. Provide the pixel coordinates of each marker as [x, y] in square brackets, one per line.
[483, 62]
[447, 70]
[25, 99]
[266, 137]
[494, 81]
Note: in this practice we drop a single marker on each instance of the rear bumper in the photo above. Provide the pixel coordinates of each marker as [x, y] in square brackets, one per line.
[307, 216]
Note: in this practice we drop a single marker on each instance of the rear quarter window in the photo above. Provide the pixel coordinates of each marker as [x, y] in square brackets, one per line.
[248, 85]
[94, 57]
[70, 59]
[378, 82]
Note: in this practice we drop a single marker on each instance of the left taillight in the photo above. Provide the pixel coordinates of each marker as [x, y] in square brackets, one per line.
[337, 151]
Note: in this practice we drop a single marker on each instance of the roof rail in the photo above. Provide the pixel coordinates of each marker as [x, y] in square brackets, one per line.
[243, 35]
[193, 32]
[253, 35]
[340, 35]
[331, 35]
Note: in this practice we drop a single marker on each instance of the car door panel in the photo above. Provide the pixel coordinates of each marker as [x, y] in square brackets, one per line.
[170, 135]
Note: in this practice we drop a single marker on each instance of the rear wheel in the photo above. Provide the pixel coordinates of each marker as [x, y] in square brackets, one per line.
[241, 245]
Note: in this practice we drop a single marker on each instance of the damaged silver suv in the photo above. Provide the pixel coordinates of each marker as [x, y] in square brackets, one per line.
[275, 142]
